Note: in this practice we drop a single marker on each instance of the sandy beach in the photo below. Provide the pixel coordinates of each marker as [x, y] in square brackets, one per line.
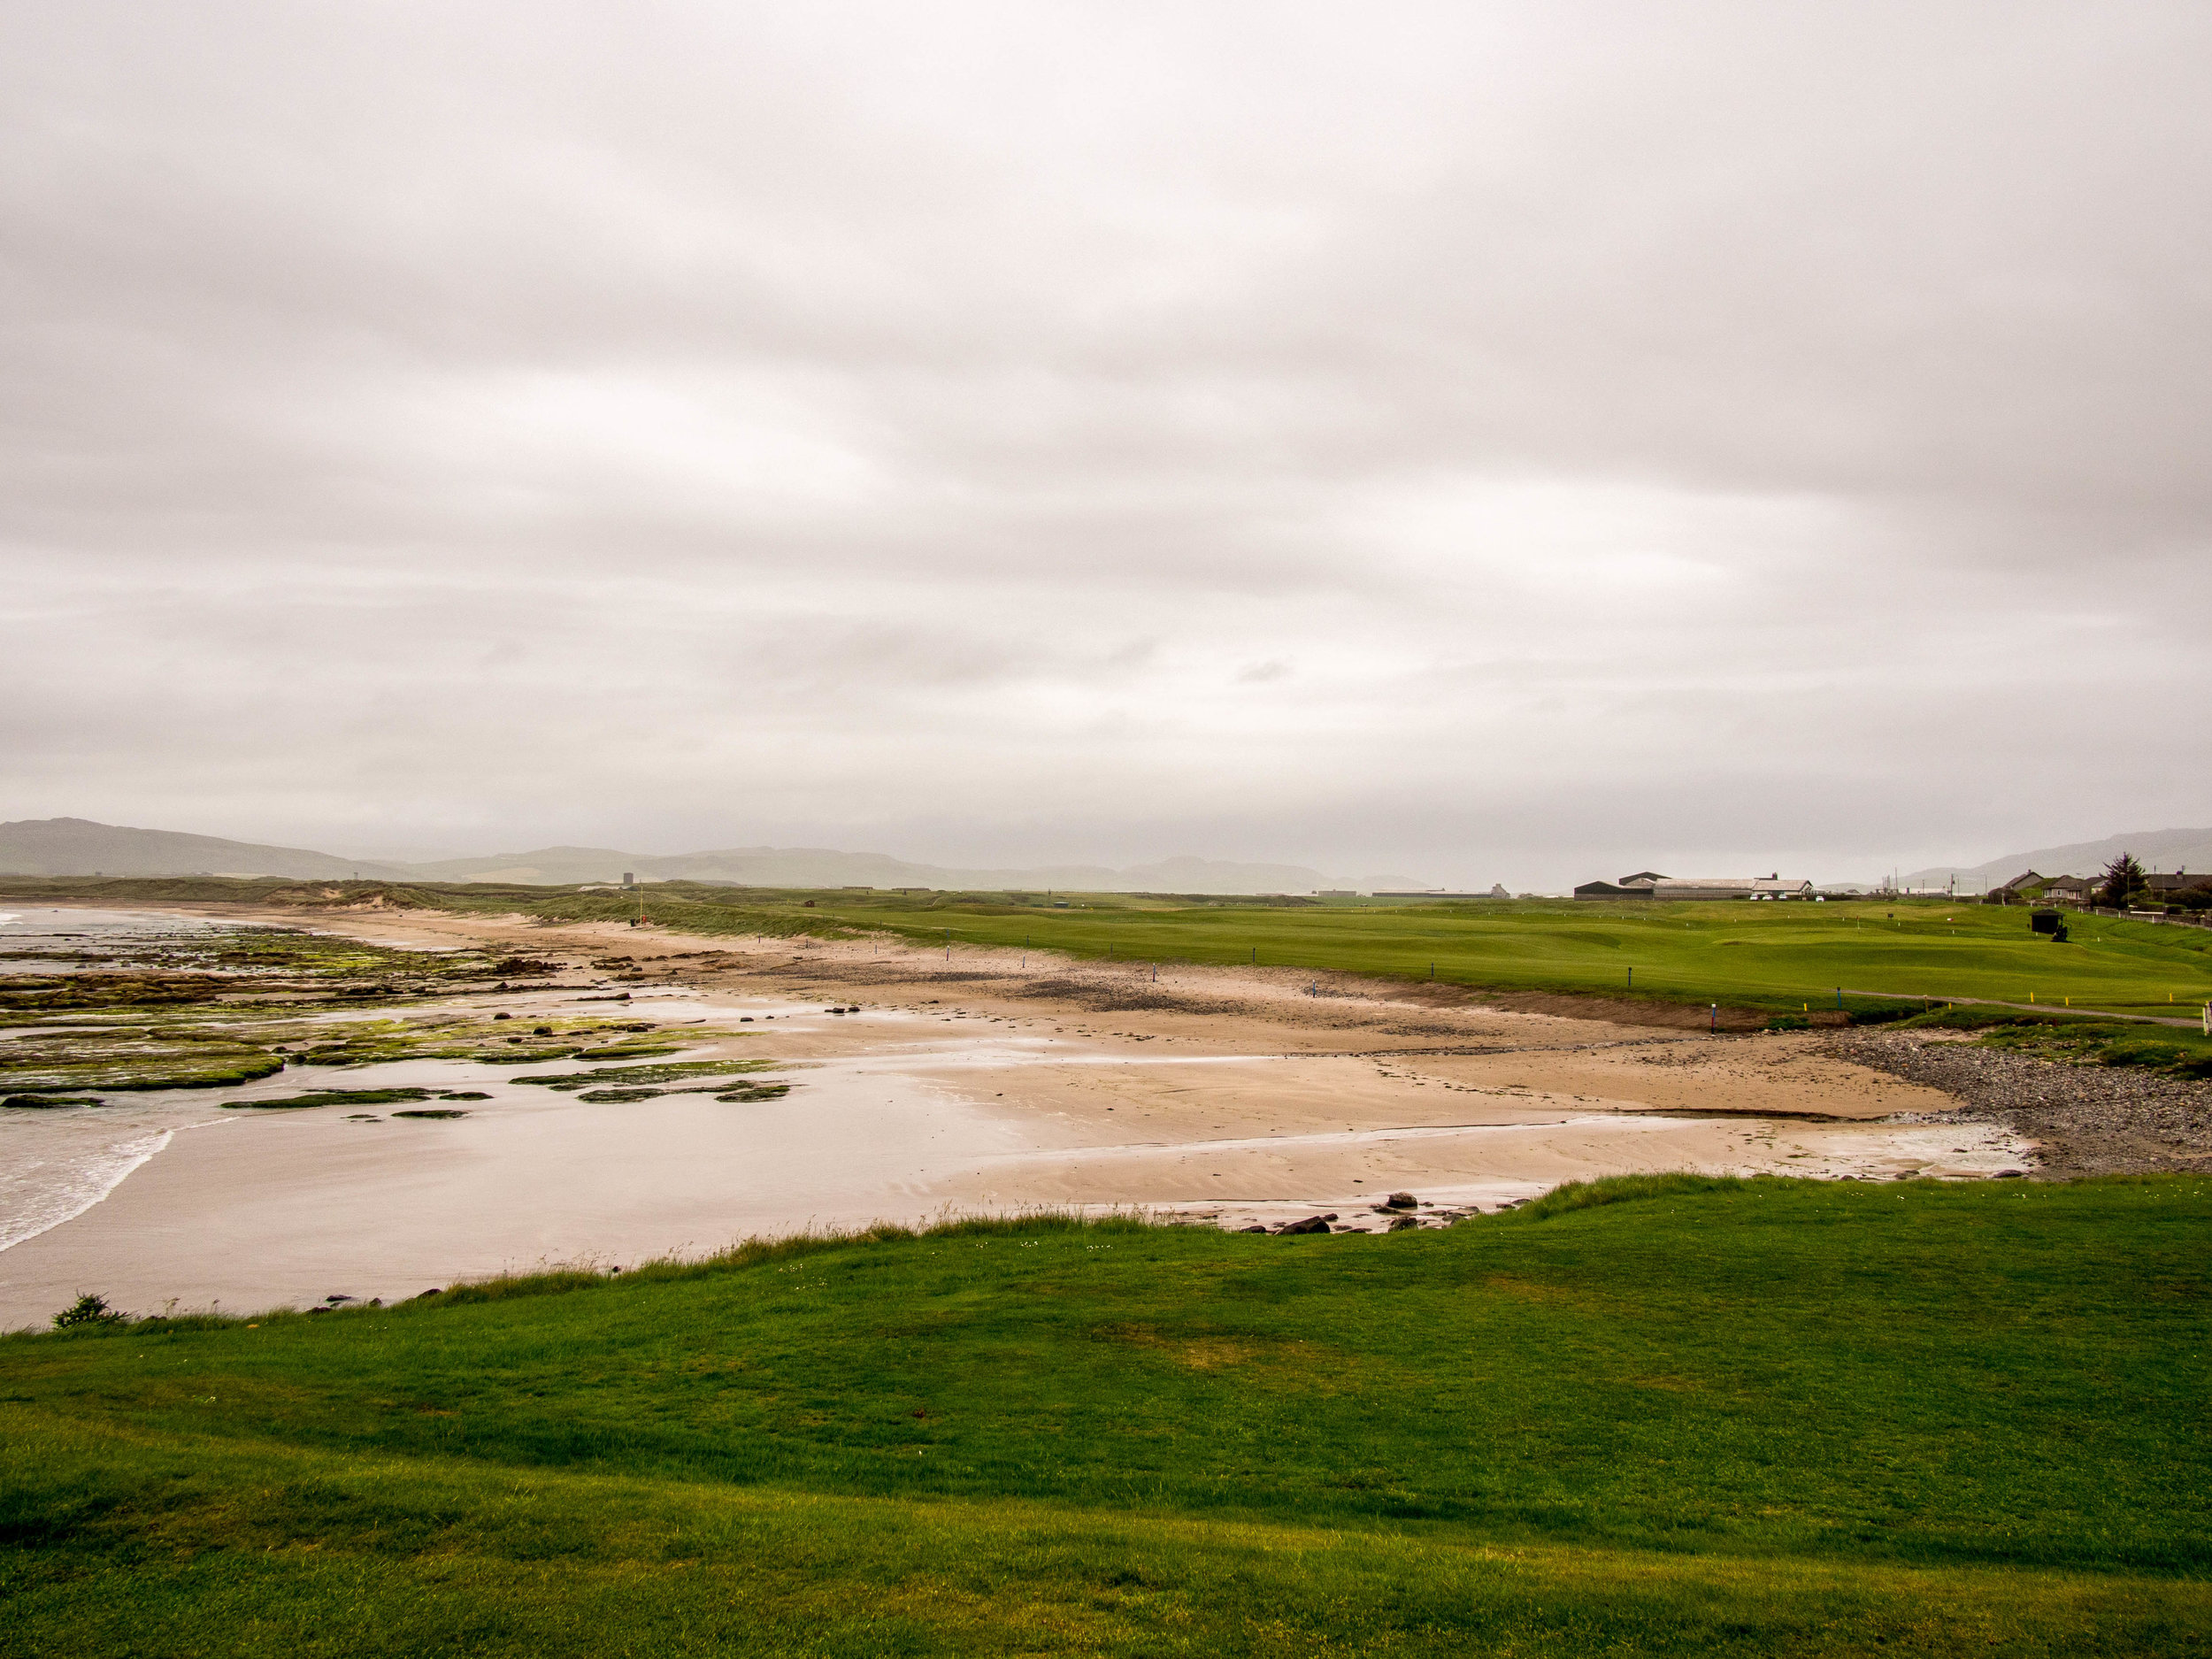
[976, 1081]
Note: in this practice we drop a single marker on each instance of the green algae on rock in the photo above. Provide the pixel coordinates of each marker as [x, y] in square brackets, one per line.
[620, 1096]
[757, 1091]
[48, 1073]
[225, 1007]
[335, 1097]
[626, 1076]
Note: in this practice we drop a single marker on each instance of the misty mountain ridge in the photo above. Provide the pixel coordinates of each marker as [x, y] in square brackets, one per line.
[80, 847]
[77, 847]
[2154, 849]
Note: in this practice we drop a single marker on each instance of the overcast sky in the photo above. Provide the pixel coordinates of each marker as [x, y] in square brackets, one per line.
[1472, 442]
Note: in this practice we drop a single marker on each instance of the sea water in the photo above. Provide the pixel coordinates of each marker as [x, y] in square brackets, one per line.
[58, 1162]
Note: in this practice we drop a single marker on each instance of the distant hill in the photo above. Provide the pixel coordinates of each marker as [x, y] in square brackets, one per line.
[547, 866]
[77, 847]
[2153, 849]
[824, 867]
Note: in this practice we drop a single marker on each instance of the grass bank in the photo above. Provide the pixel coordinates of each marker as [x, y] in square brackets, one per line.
[1784, 958]
[1658, 1416]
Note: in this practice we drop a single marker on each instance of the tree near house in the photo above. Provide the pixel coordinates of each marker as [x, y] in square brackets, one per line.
[2124, 880]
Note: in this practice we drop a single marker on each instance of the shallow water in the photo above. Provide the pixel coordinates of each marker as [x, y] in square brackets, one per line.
[51, 922]
[56, 1163]
[160, 1199]
[51, 1171]
[48, 940]
[164, 1197]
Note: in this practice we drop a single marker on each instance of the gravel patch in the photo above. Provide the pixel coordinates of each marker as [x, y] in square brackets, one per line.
[2085, 1119]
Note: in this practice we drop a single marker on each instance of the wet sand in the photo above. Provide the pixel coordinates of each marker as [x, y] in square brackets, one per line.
[977, 1083]
[253, 1210]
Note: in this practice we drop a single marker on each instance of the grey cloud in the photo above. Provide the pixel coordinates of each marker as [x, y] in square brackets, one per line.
[1441, 438]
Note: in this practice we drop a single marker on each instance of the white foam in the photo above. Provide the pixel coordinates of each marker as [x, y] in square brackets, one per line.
[39, 1194]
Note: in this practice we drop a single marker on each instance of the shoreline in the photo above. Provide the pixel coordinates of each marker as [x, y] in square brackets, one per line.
[141, 1152]
[980, 1084]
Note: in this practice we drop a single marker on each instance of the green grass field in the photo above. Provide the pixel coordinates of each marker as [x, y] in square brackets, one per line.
[1769, 955]
[1706, 1416]
[1786, 957]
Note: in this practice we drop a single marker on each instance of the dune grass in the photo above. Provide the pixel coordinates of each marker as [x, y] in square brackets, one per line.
[1659, 1415]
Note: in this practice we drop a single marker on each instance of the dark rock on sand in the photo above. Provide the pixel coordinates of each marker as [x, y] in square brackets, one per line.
[1311, 1223]
[331, 1097]
[1401, 1200]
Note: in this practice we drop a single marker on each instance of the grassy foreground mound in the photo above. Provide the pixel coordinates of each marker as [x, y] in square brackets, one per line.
[1664, 1415]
